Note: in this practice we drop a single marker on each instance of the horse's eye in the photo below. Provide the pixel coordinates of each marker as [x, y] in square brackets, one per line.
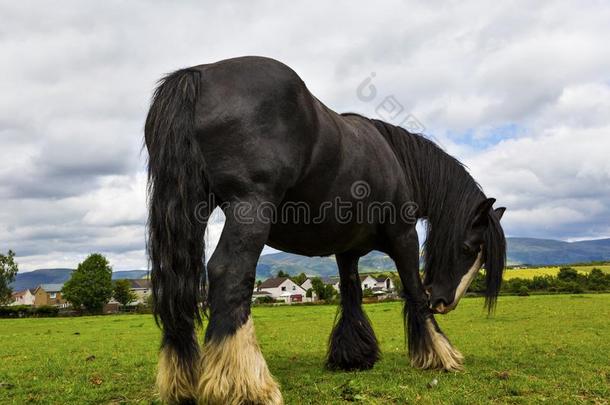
[466, 248]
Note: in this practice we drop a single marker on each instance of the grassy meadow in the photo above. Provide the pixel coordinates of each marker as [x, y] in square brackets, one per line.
[552, 349]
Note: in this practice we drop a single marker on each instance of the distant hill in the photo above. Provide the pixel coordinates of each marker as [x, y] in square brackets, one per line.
[43, 276]
[520, 251]
[551, 252]
[52, 276]
[130, 274]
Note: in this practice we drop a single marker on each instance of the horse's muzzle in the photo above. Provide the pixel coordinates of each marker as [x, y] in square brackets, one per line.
[438, 305]
[441, 308]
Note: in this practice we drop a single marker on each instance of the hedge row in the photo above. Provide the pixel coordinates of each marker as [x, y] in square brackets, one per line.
[567, 280]
[25, 311]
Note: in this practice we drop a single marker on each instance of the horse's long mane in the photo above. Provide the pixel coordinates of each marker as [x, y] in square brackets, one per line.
[447, 196]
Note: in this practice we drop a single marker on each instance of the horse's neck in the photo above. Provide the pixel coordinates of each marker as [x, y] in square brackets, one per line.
[440, 184]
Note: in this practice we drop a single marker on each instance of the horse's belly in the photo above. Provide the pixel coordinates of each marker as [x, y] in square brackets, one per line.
[320, 240]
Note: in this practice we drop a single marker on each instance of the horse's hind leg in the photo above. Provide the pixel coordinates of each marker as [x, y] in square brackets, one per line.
[233, 370]
[352, 344]
[429, 348]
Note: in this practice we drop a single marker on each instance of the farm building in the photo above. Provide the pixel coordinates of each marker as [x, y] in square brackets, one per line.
[282, 288]
[24, 297]
[368, 282]
[260, 294]
[379, 285]
[307, 284]
[142, 288]
[383, 285]
[334, 281]
[49, 294]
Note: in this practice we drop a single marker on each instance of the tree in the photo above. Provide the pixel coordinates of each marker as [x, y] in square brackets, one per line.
[514, 285]
[478, 285]
[90, 285]
[281, 273]
[8, 271]
[323, 291]
[317, 285]
[597, 280]
[541, 282]
[330, 292]
[567, 274]
[300, 279]
[122, 292]
[571, 287]
[398, 289]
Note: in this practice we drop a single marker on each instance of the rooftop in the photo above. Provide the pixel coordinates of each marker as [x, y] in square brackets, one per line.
[17, 294]
[140, 283]
[51, 288]
[273, 282]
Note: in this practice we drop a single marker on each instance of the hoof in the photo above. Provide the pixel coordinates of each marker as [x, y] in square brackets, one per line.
[437, 352]
[176, 381]
[352, 345]
[234, 372]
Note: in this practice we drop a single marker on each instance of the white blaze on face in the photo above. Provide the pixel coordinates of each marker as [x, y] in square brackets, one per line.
[466, 281]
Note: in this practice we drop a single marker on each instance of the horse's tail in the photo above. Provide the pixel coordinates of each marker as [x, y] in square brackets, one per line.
[176, 224]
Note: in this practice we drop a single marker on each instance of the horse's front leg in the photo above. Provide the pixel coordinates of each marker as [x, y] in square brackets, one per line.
[233, 370]
[429, 348]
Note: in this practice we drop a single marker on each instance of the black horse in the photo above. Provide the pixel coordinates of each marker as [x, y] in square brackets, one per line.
[247, 136]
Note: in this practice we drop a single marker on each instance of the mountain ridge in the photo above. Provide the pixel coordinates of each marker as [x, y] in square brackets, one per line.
[33, 279]
[520, 251]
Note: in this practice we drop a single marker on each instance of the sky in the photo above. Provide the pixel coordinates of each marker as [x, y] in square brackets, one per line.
[519, 91]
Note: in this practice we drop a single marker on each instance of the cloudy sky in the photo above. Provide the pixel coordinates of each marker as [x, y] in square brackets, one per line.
[520, 92]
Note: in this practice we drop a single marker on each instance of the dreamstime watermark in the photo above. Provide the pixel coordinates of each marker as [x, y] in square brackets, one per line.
[358, 207]
[391, 110]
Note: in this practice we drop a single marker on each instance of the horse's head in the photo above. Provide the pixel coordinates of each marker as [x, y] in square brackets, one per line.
[481, 243]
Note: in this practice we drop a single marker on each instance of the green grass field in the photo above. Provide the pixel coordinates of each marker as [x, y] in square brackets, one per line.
[531, 272]
[535, 349]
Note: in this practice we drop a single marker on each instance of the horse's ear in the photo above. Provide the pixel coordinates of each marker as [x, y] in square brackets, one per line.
[500, 212]
[481, 213]
[479, 223]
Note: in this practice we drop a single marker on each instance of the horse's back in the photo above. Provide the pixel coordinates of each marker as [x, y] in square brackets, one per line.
[255, 122]
[258, 88]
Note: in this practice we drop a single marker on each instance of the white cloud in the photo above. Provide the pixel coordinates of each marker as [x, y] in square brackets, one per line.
[76, 81]
[554, 184]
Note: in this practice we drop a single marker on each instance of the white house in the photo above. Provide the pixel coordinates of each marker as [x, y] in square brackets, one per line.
[142, 288]
[24, 297]
[282, 288]
[307, 284]
[379, 285]
[368, 282]
[260, 294]
[384, 284]
[334, 281]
